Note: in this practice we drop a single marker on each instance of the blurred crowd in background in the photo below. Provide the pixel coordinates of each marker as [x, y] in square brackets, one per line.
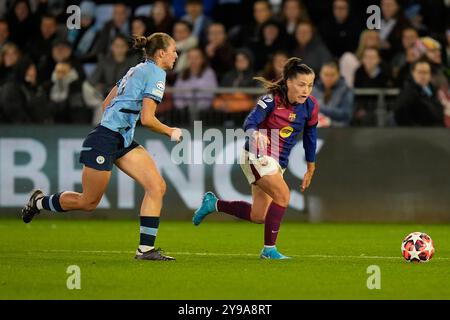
[52, 74]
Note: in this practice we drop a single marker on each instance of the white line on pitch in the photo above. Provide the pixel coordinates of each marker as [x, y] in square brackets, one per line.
[324, 256]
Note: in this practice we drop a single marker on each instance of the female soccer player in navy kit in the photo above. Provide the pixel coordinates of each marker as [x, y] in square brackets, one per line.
[136, 95]
[283, 114]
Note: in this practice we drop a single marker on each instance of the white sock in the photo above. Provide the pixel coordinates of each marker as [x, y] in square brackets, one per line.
[268, 247]
[145, 248]
[39, 203]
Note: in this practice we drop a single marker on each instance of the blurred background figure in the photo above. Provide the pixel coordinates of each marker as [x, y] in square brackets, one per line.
[292, 12]
[113, 66]
[66, 99]
[393, 22]
[273, 70]
[10, 56]
[82, 40]
[340, 31]
[351, 61]
[372, 73]
[417, 104]
[334, 96]
[241, 76]
[196, 17]
[161, 18]
[198, 75]
[185, 40]
[119, 24]
[218, 50]
[4, 33]
[309, 47]
[22, 23]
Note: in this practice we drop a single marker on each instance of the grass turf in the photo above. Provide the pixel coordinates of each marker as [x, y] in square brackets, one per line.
[217, 260]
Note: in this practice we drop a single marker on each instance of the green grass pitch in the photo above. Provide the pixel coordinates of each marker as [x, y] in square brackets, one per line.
[217, 260]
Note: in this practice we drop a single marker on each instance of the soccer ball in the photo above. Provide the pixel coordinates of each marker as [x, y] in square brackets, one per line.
[417, 247]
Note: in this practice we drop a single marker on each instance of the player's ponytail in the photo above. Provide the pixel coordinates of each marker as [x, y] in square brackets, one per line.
[291, 69]
[151, 44]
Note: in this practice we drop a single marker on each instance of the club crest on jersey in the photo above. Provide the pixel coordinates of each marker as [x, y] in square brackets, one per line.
[292, 117]
[286, 131]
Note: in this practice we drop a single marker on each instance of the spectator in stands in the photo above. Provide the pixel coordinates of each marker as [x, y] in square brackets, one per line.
[39, 48]
[139, 26]
[241, 76]
[9, 58]
[243, 35]
[161, 18]
[409, 39]
[22, 23]
[271, 39]
[61, 51]
[340, 31]
[232, 12]
[196, 17]
[372, 73]
[66, 99]
[24, 99]
[273, 69]
[118, 25]
[83, 39]
[218, 50]
[432, 50]
[113, 67]
[198, 75]
[309, 46]
[292, 12]
[4, 33]
[417, 104]
[350, 62]
[334, 96]
[392, 23]
[405, 71]
[185, 40]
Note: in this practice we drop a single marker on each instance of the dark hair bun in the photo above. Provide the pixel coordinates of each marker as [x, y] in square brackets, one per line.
[140, 42]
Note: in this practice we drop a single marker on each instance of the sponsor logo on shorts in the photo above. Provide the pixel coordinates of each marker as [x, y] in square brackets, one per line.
[100, 159]
[286, 131]
[262, 104]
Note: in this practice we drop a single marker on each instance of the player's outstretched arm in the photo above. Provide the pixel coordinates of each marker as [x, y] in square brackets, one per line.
[149, 120]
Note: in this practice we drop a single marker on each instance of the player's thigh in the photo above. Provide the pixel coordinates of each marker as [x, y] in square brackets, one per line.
[94, 184]
[260, 204]
[275, 186]
[139, 165]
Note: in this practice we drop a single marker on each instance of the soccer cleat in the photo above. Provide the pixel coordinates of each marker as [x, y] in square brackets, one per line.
[208, 206]
[30, 209]
[272, 253]
[153, 254]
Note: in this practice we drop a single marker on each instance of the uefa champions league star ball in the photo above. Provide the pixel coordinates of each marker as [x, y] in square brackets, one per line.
[417, 247]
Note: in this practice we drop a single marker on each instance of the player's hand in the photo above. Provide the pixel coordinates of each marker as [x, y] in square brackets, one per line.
[261, 140]
[176, 135]
[311, 167]
[307, 180]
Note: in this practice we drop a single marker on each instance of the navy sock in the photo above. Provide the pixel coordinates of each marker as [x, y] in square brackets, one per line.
[148, 231]
[51, 203]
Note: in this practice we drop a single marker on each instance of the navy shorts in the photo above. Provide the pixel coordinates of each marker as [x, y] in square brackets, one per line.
[102, 147]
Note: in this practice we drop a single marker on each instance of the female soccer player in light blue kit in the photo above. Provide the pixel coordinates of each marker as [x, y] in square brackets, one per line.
[136, 95]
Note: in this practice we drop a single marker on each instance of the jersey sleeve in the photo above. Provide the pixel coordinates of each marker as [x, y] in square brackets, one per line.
[155, 83]
[310, 133]
[314, 118]
[264, 106]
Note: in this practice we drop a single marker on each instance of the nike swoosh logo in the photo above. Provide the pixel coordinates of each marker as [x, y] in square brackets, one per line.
[274, 231]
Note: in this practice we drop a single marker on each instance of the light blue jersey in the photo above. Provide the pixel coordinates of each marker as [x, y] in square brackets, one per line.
[144, 80]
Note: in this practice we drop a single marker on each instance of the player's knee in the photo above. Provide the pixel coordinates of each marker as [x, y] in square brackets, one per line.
[282, 199]
[157, 189]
